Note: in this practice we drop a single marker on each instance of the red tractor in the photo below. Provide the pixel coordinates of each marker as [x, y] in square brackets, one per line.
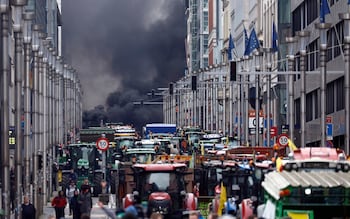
[161, 187]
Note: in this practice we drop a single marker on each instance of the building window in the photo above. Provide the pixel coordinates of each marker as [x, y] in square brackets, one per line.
[339, 84]
[205, 62]
[312, 55]
[329, 44]
[205, 20]
[297, 19]
[312, 10]
[317, 104]
[297, 112]
[309, 107]
[338, 39]
[330, 98]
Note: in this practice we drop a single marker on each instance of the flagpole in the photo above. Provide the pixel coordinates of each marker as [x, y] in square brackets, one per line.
[245, 102]
[257, 96]
[268, 101]
[291, 43]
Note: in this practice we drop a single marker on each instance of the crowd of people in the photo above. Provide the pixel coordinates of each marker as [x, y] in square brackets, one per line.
[79, 201]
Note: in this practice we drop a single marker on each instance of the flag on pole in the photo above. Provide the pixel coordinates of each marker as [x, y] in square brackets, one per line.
[231, 46]
[149, 159]
[246, 40]
[253, 43]
[274, 38]
[324, 10]
[192, 161]
[223, 199]
[291, 145]
[279, 164]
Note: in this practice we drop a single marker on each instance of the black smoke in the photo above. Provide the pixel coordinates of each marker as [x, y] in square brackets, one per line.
[122, 49]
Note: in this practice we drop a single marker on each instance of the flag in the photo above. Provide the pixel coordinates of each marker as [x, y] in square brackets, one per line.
[324, 10]
[253, 43]
[274, 38]
[191, 164]
[149, 159]
[246, 40]
[291, 145]
[223, 199]
[231, 46]
[348, 2]
[279, 164]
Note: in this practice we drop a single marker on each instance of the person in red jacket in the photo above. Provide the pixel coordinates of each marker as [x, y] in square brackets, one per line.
[59, 203]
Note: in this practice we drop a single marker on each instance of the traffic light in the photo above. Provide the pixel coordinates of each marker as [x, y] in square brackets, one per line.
[171, 88]
[152, 93]
[252, 97]
[194, 82]
[233, 71]
[40, 161]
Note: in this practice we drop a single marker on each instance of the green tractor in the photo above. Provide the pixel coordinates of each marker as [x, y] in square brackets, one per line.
[80, 162]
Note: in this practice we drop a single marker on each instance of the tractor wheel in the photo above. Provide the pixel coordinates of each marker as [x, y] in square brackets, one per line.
[97, 184]
[112, 182]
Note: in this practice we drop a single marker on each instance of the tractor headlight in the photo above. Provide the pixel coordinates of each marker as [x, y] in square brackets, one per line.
[338, 167]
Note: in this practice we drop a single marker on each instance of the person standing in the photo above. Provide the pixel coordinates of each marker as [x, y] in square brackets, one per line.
[75, 205]
[59, 203]
[85, 201]
[28, 209]
[69, 194]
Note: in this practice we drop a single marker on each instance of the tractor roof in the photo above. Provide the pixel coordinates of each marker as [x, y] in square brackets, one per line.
[318, 152]
[166, 167]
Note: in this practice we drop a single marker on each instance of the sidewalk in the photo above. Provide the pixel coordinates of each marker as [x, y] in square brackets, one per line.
[96, 212]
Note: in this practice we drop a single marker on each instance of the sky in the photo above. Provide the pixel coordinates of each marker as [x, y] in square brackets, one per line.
[122, 49]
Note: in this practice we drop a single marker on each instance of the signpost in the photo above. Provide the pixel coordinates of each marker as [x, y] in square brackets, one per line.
[329, 128]
[282, 140]
[252, 122]
[102, 144]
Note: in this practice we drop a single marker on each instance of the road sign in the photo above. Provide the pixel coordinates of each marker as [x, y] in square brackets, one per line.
[273, 131]
[329, 130]
[329, 119]
[102, 144]
[285, 128]
[282, 140]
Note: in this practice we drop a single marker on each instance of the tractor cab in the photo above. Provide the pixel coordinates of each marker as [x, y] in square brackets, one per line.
[162, 188]
[86, 161]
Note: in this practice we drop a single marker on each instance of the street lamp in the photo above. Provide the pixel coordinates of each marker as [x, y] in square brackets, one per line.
[258, 63]
[17, 29]
[323, 65]
[5, 175]
[35, 47]
[303, 40]
[27, 39]
[346, 18]
[291, 42]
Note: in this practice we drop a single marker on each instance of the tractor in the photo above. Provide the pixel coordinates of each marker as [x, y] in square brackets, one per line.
[86, 161]
[161, 187]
